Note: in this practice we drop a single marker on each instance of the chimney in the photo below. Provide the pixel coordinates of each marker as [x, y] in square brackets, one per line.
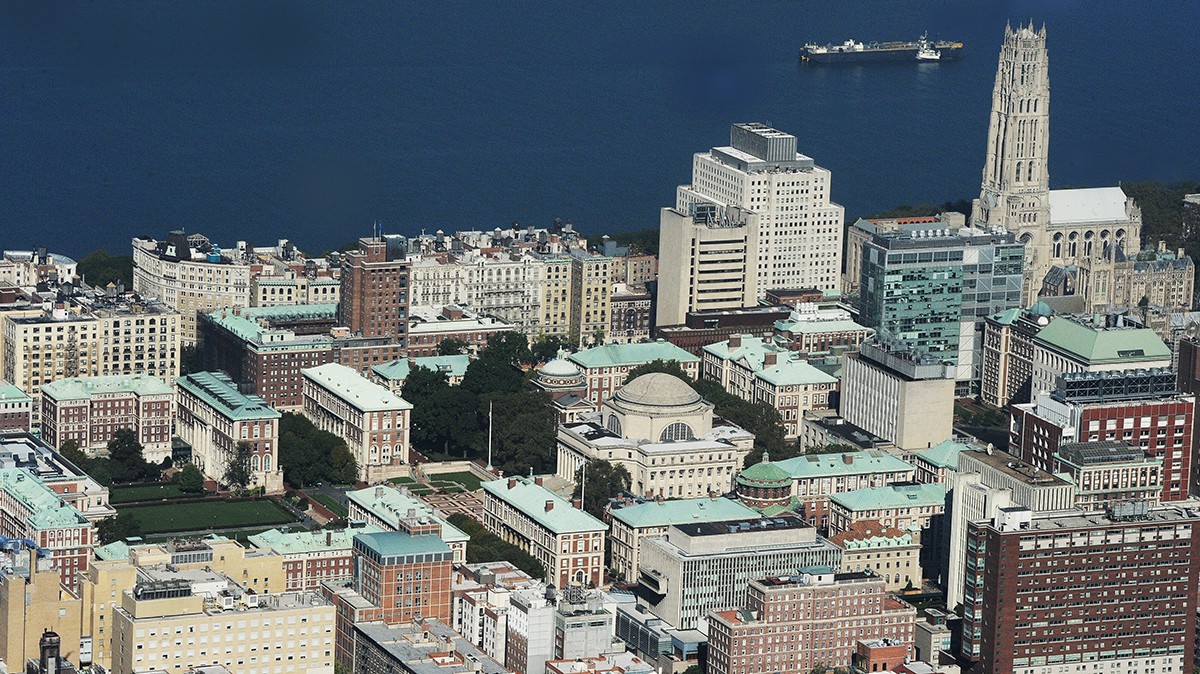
[848, 459]
[538, 480]
[549, 505]
[577, 503]
[735, 342]
[770, 358]
[328, 538]
[512, 482]
[379, 491]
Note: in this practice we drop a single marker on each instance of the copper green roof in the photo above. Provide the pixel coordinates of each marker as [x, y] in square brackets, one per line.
[942, 455]
[892, 497]
[845, 463]
[764, 474]
[611, 355]
[682, 511]
[796, 373]
[218, 391]
[1006, 317]
[83, 388]
[10, 393]
[1103, 345]
[531, 498]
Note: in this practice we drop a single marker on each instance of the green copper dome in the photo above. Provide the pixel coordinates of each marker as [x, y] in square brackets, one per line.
[764, 474]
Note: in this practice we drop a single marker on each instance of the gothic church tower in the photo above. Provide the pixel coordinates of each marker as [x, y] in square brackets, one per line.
[1016, 178]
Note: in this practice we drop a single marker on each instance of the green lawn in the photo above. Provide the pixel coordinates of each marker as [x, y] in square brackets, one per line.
[402, 480]
[146, 492]
[207, 515]
[466, 479]
[331, 503]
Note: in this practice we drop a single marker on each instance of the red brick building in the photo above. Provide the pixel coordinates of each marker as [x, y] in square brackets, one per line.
[16, 409]
[1140, 407]
[374, 294]
[815, 618]
[1116, 591]
[90, 410]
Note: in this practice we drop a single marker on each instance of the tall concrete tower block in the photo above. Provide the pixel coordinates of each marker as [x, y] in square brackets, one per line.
[1015, 193]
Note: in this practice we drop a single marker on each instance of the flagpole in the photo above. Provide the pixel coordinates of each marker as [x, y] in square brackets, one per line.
[489, 466]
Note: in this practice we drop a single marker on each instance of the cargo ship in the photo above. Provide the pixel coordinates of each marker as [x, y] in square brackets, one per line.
[851, 51]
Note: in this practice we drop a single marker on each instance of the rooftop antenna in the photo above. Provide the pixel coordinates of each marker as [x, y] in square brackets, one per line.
[489, 466]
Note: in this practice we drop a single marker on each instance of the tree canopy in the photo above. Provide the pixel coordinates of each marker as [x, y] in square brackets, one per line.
[452, 346]
[546, 348]
[485, 546]
[118, 528]
[604, 481]
[190, 479]
[237, 471]
[309, 455]
[99, 268]
[670, 367]
[639, 241]
[126, 461]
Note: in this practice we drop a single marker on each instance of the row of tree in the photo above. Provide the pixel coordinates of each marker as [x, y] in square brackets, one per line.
[125, 463]
[309, 455]
[453, 421]
[485, 546]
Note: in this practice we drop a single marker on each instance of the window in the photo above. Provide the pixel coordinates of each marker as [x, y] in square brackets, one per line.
[676, 431]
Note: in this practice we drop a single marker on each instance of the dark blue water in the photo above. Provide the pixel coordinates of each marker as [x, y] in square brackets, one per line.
[260, 120]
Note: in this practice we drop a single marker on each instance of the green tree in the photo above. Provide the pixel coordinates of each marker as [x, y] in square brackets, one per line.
[643, 241]
[510, 347]
[670, 367]
[99, 268]
[452, 347]
[694, 669]
[119, 527]
[485, 546]
[832, 448]
[237, 471]
[127, 461]
[604, 481]
[71, 452]
[343, 468]
[191, 480]
[546, 348]
[524, 434]
[492, 375]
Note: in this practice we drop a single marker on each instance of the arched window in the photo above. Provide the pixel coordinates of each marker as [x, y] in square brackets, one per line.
[1019, 171]
[254, 463]
[613, 424]
[676, 431]
[1057, 252]
[1087, 243]
[266, 462]
[1073, 244]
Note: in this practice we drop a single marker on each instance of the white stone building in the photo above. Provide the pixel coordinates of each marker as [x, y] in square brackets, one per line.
[662, 432]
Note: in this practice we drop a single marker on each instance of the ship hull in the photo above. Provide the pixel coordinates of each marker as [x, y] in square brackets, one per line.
[876, 55]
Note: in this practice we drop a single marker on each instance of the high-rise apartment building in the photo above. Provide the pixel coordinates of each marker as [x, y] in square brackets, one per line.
[799, 622]
[87, 336]
[190, 274]
[800, 229]
[1107, 591]
[929, 289]
[591, 283]
[374, 297]
[708, 259]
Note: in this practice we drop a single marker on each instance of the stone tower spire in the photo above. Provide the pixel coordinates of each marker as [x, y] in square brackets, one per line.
[1016, 179]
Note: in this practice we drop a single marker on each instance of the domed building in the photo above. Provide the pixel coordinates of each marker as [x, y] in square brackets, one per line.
[662, 431]
[764, 485]
[567, 386]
